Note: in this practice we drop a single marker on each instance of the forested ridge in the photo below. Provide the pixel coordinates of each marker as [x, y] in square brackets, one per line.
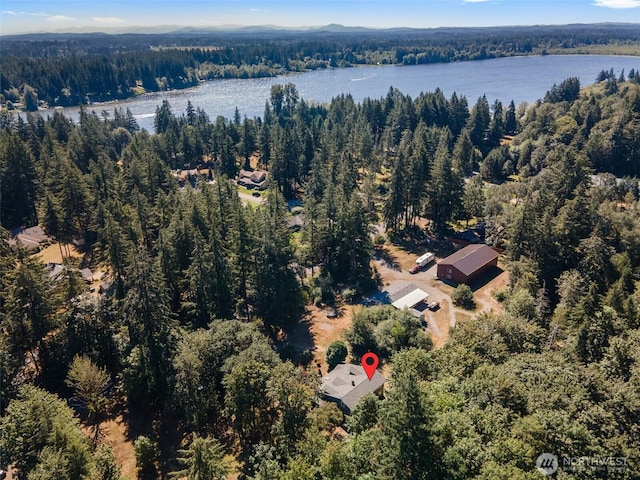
[73, 69]
[205, 284]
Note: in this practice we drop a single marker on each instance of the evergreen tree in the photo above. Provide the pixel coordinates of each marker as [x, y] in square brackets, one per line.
[396, 203]
[41, 438]
[465, 153]
[510, 120]
[496, 127]
[243, 247]
[406, 421]
[458, 114]
[104, 465]
[28, 308]
[149, 321]
[164, 119]
[203, 460]
[248, 142]
[478, 124]
[18, 183]
[30, 99]
[116, 247]
[444, 191]
[276, 290]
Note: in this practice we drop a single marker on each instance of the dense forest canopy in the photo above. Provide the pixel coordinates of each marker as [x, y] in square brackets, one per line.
[72, 69]
[205, 283]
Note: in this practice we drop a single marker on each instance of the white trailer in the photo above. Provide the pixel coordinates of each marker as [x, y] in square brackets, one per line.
[421, 261]
[424, 259]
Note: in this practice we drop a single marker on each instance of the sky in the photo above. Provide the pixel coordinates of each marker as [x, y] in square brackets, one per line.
[25, 16]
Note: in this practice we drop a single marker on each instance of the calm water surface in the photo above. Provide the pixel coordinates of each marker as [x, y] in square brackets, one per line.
[522, 79]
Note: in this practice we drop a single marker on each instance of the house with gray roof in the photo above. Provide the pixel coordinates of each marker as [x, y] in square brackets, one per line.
[252, 179]
[407, 296]
[346, 384]
[32, 238]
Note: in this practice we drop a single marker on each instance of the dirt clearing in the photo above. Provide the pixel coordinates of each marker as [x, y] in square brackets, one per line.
[393, 264]
[316, 332]
[113, 432]
[51, 254]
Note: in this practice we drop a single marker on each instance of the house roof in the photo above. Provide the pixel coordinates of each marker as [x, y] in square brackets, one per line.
[471, 258]
[399, 289]
[349, 383]
[411, 299]
[256, 177]
[31, 238]
[55, 271]
[295, 221]
[470, 236]
[87, 274]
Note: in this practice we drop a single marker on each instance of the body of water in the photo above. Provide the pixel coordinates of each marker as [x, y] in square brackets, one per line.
[521, 79]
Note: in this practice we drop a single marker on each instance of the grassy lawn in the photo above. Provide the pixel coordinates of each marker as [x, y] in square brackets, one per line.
[243, 189]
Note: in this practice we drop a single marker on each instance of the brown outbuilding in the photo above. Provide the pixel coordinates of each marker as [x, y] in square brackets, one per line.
[467, 263]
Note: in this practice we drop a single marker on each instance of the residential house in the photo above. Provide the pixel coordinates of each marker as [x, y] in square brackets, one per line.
[252, 179]
[346, 384]
[32, 238]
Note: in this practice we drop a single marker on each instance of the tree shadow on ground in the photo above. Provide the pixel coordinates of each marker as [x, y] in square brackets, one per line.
[388, 258]
[164, 429]
[419, 242]
[297, 344]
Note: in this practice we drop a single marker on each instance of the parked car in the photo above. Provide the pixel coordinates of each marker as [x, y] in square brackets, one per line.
[433, 306]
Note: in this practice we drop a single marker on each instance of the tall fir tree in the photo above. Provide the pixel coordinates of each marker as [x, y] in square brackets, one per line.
[149, 321]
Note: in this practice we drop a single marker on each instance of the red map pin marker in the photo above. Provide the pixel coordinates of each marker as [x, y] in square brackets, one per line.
[370, 363]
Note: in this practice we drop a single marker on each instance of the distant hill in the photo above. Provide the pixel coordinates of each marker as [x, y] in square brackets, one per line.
[331, 28]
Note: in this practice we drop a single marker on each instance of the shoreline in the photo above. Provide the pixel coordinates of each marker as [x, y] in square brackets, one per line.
[221, 98]
[149, 94]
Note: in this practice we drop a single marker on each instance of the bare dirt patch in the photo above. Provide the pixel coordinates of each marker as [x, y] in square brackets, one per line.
[113, 432]
[51, 254]
[439, 324]
[484, 294]
[316, 332]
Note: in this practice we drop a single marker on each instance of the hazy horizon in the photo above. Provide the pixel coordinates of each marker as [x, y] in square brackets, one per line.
[20, 17]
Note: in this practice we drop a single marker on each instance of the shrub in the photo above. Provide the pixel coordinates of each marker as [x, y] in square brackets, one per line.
[499, 294]
[336, 353]
[350, 295]
[462, 296]
[385, 330]
[146, 455]
[322, 290]
[379, 240]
